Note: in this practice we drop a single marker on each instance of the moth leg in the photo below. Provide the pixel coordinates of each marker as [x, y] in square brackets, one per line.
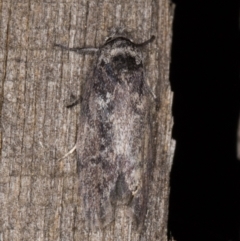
[143, 45]
[73, 101]
[69, 153]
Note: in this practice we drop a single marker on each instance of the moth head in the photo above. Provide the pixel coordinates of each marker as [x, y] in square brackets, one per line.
[117, 37]
[121, 54]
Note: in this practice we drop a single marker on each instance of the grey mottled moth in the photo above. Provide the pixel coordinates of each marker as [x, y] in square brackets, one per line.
[114, 152]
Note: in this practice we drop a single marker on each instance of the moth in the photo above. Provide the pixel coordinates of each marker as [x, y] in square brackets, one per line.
[114, 148]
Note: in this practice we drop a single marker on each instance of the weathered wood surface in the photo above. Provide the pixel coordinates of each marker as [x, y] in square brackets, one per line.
[38, 194]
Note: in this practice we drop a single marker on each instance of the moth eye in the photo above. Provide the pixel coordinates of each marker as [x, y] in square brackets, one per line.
[108, 39]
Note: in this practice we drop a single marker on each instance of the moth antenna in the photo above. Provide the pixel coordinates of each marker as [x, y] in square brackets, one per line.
[146, 42]
[78, 50]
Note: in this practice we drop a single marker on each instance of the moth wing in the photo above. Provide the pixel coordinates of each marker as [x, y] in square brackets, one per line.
[97, 172]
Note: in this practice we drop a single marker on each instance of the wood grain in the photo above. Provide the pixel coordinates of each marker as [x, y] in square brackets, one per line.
[38, 194]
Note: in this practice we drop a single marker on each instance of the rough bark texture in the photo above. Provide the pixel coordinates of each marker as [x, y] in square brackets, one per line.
[38, 194]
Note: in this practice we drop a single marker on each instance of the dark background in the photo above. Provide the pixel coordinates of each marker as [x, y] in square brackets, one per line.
[205, 179]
